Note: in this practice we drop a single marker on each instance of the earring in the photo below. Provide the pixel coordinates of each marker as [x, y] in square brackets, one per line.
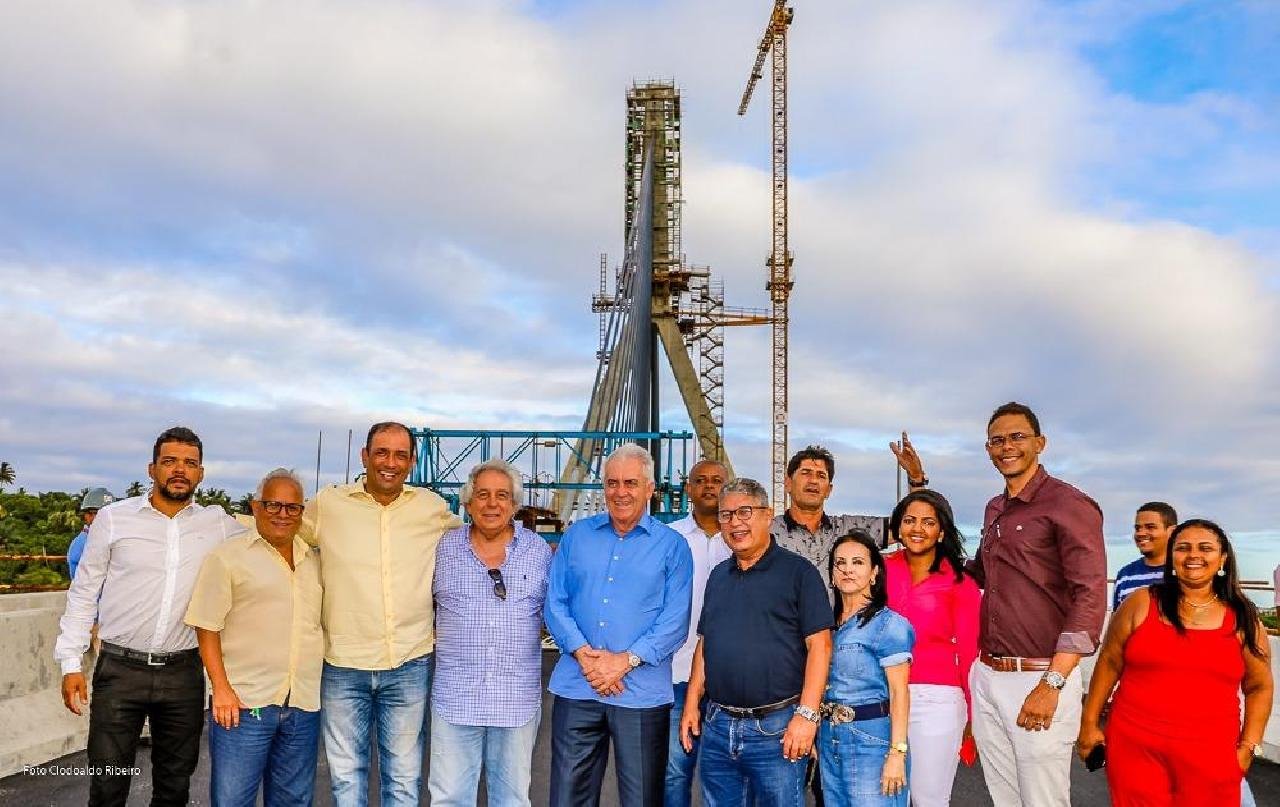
[1222, 572]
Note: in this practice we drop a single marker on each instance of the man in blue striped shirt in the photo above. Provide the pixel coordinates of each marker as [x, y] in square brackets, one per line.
[1152, 527]
[490, 584]
[618, 607]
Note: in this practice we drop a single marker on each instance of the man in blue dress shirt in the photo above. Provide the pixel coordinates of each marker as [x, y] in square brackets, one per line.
[617, 605]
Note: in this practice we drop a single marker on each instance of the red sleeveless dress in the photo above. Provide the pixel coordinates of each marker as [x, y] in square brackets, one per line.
[1175, 718]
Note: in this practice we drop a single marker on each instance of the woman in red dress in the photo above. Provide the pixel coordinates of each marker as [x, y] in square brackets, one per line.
[1182, 651]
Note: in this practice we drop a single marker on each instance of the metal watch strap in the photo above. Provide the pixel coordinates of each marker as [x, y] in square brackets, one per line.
[1054, 679]
[808, 714]
[634, 661]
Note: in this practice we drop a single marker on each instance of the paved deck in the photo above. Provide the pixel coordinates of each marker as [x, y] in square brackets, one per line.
[70, 789]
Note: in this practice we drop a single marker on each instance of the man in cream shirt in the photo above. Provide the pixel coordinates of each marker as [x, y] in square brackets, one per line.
[256, 613]
[377, 541]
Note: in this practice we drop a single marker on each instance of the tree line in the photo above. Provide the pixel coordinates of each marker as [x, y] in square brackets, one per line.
[45, 523]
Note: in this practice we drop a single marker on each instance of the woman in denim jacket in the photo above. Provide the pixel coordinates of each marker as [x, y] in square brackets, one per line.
[862, 742]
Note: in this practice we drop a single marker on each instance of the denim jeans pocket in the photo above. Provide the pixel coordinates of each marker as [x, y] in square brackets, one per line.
[775, 725]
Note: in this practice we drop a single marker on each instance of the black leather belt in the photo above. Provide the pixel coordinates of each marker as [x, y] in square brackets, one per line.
[756, 711]
[150, 659]
[839, 713]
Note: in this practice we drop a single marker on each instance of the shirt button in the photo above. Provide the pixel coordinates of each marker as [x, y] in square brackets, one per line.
[602, 624]
[606, 599]
[610, 579]
[615, 557]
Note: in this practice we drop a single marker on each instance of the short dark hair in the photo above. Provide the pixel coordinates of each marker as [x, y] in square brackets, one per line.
[1167, 514]
[812, 453]
[1015, 408]
[177, 434]
[388, 425]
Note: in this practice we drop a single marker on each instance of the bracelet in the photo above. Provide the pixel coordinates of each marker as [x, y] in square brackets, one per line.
[1253, 747]
[923, 483]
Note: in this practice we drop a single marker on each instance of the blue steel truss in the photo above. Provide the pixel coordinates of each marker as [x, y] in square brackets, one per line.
[445, 456]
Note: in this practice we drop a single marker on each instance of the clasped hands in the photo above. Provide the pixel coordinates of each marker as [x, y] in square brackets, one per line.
[603, 670]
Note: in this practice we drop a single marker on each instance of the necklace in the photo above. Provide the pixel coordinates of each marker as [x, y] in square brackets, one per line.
[1200, 606]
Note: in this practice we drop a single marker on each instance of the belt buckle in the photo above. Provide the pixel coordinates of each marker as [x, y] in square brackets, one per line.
[842, 713]
[151, 663]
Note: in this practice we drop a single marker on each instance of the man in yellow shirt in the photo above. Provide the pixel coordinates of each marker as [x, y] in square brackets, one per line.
[377, 541]
[256, 613]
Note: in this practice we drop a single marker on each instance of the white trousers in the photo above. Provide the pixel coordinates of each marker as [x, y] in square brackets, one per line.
[934, 731]
[1031, 768]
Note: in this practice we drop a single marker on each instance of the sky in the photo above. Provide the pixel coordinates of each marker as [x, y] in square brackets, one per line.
[265, 220]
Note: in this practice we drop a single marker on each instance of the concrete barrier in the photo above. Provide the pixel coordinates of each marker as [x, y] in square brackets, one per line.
[34, 725]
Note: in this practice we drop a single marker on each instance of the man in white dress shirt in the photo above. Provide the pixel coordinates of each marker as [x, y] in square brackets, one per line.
[135, 578]
[701, 528]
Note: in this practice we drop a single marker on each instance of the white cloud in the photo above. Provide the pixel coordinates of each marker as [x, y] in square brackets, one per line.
[281, 217]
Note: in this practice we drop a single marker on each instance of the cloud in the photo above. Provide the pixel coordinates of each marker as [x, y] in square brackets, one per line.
[280, 218]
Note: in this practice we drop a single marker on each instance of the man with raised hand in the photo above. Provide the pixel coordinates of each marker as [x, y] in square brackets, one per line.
[377, 540]
[618, 608]
[135, 580]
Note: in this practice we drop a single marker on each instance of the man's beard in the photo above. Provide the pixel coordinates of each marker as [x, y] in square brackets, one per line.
[176, 496]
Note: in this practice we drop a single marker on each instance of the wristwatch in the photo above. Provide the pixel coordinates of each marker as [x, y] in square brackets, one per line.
[634, 661]
[899, 747]
[1054, 680]
[923, 483]
[807, 714]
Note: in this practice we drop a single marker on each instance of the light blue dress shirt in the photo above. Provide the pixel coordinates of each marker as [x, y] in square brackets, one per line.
[627, 593]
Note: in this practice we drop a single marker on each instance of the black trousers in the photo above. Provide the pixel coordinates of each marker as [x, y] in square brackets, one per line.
[125, 693]
[580, 736]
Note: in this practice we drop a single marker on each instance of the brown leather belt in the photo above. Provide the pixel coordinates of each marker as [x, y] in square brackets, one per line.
[1015, 663]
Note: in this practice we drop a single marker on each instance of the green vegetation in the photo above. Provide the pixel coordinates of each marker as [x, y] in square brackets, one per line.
[45, 524]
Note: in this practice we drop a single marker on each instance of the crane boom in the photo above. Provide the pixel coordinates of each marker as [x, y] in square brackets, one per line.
[774, 42]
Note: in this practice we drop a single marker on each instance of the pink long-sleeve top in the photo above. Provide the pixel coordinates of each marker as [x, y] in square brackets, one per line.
[944, 614]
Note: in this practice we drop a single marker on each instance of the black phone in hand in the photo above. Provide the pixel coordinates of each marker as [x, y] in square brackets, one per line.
[1097, 757]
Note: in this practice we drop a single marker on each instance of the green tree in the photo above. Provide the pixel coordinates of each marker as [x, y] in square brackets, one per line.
[135, 489]
[242, 504]
[214, 496]
[7, 474]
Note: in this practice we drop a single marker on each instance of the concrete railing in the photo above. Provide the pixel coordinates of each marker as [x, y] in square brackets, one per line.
[34, 726]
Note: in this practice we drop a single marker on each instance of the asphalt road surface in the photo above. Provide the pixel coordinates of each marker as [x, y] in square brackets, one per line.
[24, 790]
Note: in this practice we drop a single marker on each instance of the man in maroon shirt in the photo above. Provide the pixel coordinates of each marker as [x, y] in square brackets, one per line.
[1044, 568]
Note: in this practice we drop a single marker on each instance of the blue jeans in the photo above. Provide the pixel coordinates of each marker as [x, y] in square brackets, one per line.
[740, 757]
[355, 704]
[851, 756]
[680, 765]
[275, 749]
[457, 753]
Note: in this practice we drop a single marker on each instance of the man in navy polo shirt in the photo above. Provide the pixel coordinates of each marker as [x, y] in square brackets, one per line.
[761, 661]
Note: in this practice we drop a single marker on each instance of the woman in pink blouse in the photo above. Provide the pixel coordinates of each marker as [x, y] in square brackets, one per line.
[928, 585]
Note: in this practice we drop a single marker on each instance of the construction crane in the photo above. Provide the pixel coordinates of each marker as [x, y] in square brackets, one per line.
[774, 42]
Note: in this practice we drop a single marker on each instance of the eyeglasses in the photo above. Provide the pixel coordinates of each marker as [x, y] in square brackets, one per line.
[745, 512]
[999, 440]
[499, 587]
[290, 509]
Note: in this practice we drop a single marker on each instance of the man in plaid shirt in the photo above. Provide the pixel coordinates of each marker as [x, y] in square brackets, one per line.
[490, 583]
